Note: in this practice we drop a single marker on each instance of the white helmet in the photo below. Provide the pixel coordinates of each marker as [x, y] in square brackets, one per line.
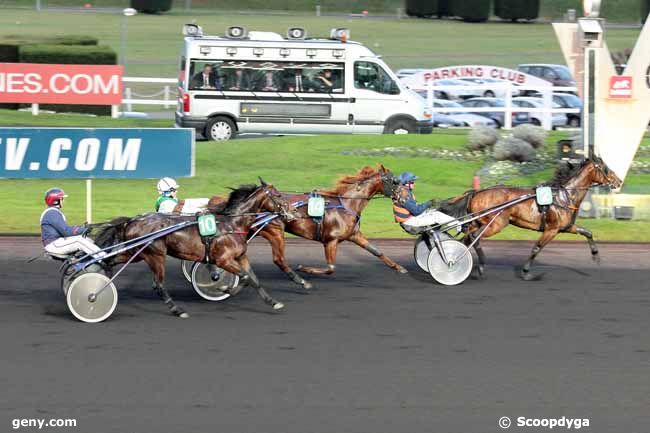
[167, 185]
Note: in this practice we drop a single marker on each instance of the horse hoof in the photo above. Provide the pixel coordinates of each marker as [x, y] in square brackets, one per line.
[596, 258]
[307, 285]
[300, 268]
[278, 306]
[402, 270]
[527, 276]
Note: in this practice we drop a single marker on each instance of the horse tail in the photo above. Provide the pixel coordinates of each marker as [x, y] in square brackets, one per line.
[111, 232]
[457, 206]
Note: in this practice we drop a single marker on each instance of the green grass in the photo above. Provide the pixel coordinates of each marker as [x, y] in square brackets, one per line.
[154, 41]
[313, 162]
[22, 118]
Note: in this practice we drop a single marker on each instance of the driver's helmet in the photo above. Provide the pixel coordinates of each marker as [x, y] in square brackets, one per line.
[167, 185]
[53, 196]
[407, 177]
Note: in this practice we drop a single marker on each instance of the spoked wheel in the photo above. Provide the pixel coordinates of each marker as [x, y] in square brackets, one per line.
[92, 297]
[421, 250]
[212, 283]
[186, 267]
[459, 263]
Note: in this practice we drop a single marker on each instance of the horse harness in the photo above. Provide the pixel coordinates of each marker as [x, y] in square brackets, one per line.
[331, 203]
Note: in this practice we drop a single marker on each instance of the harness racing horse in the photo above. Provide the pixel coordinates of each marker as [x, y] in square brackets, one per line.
[227, 249]
[570, 185]
[344, 205]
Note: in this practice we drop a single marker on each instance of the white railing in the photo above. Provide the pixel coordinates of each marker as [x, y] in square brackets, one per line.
[508, 88]
[132, 98]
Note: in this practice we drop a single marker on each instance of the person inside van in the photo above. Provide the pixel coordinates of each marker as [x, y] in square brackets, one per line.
[206, 79]
[237, 80]
[327, 82]
[269, 82]
[297, 82]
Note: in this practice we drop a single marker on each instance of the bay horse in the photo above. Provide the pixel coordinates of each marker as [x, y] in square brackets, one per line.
[341, 221]
[570, 185]
[227, 249]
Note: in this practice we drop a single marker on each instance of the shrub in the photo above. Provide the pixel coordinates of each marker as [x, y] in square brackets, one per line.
[151, 6]
[471, 10]
[52, 40]
[482, 137]
[513, 149]
[517, 9]
[645, 9]
[444, 8]
[421, 8]
[531, 134]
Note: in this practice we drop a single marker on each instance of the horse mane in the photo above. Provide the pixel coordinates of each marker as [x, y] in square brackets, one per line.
[235, 198]
[110, 232]
[565, 172]
[344, 182]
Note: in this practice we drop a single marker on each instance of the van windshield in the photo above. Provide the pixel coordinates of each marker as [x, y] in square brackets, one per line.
[371, 76]
[266, 76]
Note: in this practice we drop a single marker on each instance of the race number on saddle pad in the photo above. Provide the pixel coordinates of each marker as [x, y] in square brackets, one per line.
[207, 225]
[544, 195]
[316, 206]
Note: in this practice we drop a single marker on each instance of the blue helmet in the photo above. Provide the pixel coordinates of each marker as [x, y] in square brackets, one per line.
[407, 177]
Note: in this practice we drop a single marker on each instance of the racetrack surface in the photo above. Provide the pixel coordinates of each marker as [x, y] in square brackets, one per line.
[367, 350]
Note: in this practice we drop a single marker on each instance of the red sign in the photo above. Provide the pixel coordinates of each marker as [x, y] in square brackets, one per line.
[37, 83]
[620, 87]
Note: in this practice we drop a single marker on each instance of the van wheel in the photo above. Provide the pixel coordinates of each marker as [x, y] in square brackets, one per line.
[489, 94]
[220, 129]
[574, 122]
[535, 122]
[400, 127]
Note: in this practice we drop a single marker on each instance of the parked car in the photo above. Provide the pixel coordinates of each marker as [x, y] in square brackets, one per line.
[559, 75]
[568, 100]
[461, 89]
[466, 119]
[497, 91]
[537, 117]
[401, 73]
[497, 116]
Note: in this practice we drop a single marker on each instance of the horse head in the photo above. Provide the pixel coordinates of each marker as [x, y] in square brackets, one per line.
[600, 174]
[389, 182]
[273, 201]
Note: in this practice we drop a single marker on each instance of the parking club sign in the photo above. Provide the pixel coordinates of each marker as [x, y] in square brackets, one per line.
[620, 87]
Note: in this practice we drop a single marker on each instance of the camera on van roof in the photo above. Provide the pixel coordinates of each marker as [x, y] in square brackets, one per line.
[236, 32]
[340, 34]
[296, 33]
[192, 30]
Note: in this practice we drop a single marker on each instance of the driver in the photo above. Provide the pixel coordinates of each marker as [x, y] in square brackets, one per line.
[168, 200]
[57, 236]
[408, 212]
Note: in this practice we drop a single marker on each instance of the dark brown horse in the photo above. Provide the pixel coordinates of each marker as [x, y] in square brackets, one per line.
[570, 185]
[341, 222]
[227, 249]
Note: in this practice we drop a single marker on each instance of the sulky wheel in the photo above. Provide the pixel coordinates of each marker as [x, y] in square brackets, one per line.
[211, 282]
[68, 274]
[186, 267]
[421, 250]
[459, 263]
[92, 297]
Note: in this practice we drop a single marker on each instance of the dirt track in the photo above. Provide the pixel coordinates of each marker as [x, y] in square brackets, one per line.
[367, 351]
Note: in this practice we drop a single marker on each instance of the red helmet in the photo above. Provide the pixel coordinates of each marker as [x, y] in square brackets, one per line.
[53, 196]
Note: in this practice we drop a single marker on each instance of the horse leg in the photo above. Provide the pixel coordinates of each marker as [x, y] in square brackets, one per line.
[590, 239]
[246, 270]
[547, 237]
[278, 248]
[330, 257]
[479, 253]
[157, 265]
[360, 239]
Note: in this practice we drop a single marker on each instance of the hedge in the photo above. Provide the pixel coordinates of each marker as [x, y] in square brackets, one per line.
[51, 40]
[151, 6]
[517, 9]
[421, 8]
[645, 9]
[73, 55]
[444, 8]
[471, 10]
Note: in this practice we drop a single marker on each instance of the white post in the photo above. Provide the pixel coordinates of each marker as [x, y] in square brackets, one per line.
[115, 111]
[38, 5]
[317, 10]
[89, 200]
[35, 109]
[399, 13]
[166, 96]
[129, 106]
[430, 94]
[547, 118]
[507, 116]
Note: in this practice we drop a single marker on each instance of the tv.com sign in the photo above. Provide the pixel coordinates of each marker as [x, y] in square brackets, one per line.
[96, 153]
[35, 83]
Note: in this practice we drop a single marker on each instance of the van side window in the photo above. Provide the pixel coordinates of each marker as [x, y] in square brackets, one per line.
[267, 76]
[371, 76]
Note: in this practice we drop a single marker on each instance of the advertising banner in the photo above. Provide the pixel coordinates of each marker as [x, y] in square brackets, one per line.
[101, 153]
[36, 83]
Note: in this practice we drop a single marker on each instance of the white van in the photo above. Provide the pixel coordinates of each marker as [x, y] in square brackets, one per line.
[261, 82]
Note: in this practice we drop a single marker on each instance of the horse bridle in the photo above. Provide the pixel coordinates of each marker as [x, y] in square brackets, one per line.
[284, 210]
